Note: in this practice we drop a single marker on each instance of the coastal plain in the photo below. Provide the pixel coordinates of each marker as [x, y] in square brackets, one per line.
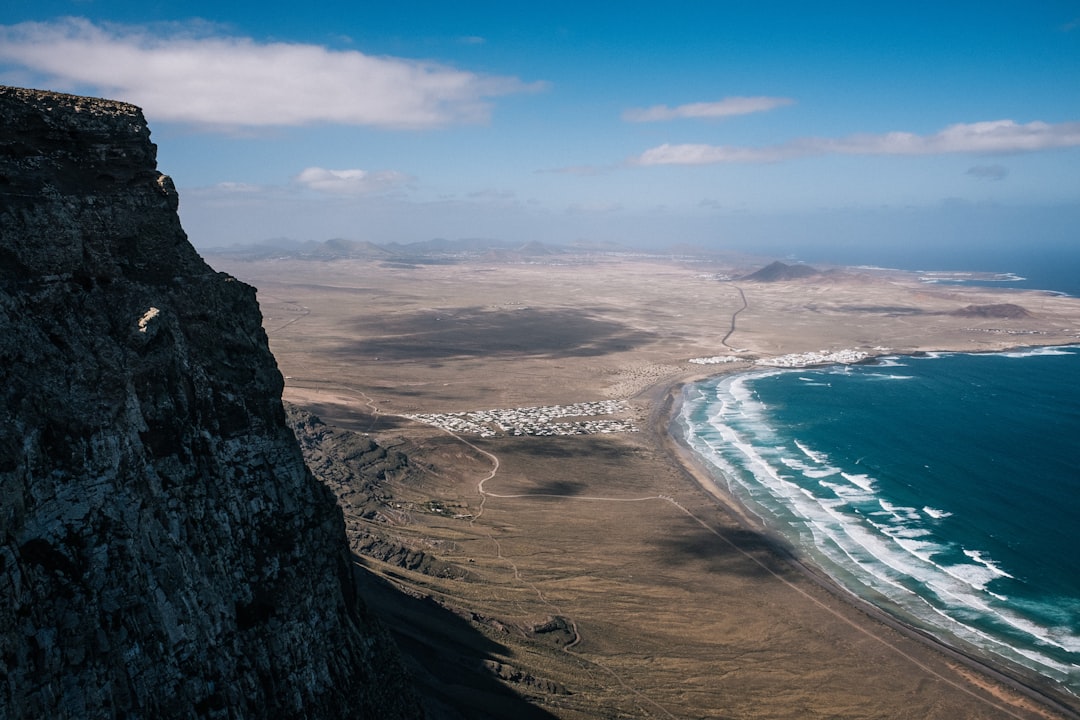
[603, 574]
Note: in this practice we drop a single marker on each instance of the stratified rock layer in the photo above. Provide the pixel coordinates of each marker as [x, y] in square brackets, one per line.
[164, 551]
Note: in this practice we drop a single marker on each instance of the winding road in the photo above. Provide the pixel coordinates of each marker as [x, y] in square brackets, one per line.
[735, 314]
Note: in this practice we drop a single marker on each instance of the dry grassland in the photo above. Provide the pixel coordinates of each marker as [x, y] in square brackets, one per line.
[597, 575]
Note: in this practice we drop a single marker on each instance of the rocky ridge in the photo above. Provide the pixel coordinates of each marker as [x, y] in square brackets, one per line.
[164, 550]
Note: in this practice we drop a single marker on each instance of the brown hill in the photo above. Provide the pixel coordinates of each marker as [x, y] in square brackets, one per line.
[778, 271]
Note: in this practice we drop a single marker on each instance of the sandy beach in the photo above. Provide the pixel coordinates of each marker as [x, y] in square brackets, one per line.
[530, 571]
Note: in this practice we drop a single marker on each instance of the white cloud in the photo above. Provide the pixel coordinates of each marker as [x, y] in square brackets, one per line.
[688, 154]
[349, 182]
[187, 76]
[719, 109]
[996, 136]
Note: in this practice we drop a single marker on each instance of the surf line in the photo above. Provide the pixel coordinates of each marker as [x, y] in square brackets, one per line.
[484, 495]
[839, 616]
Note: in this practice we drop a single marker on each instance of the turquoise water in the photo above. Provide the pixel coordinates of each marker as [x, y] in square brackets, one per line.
[945, 489]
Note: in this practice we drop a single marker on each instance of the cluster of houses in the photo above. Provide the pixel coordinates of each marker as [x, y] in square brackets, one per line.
[794, 360]
[806, 359]
[717, 360]
[1006, 331]
[545, 420]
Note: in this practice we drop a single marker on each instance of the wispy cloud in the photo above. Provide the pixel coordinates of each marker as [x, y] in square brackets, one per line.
[187, 75]
[708, 110]
[349, 182]
[997, 136]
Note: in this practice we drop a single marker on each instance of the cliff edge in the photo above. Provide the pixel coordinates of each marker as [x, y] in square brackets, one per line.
[164, 550]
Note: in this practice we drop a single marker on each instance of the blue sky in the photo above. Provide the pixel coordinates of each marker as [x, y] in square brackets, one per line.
[779, 126]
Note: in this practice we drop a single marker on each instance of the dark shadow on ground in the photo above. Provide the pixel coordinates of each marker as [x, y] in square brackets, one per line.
[690, 544]
[556, 487]
[445, 656]
[567, 447]
[880, 309]
[353, 419]
[475, 332]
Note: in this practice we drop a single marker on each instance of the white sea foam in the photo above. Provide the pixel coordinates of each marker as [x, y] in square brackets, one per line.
[818, 457]
[908, 532]
[899, 512]
[983, 560]
[847, 492]
[809, 470]
[975, 576]
[889, 548]
[860, 480]
[1038, 351]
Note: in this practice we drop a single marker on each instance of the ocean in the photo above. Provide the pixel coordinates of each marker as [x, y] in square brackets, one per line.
[944, 489]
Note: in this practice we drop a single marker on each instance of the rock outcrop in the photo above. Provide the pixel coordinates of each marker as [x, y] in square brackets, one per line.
[164, 550]
[779, 272]
[998, 310]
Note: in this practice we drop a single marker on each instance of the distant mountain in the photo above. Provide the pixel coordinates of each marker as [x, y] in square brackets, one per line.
[537, 248]
[435, 250]
[442, 246]
[599, 246]
[342, 248]
[778, 271]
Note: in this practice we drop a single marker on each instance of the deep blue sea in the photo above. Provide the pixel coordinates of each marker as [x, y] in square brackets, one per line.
[945, 488]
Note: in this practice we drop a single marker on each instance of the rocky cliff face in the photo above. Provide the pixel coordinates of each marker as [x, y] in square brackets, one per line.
[164, 551]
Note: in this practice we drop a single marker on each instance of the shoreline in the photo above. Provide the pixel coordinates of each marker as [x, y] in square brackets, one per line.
[677, 597]
[667, 400]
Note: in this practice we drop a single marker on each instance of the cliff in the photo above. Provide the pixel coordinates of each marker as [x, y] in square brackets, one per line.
[164, 550]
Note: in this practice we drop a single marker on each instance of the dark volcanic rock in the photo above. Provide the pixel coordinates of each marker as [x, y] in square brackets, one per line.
[778, 271]
[354, 468]
[164, 550]
[997, 310]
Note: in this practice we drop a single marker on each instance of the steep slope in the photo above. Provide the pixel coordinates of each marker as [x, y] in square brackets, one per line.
[164, 551]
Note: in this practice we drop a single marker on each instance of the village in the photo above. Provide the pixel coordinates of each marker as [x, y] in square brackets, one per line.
[807, 359]
[534, 420]
[794, 360]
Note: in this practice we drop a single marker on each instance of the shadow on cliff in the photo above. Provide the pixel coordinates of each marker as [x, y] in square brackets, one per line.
[476, 332]
[446, 656]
